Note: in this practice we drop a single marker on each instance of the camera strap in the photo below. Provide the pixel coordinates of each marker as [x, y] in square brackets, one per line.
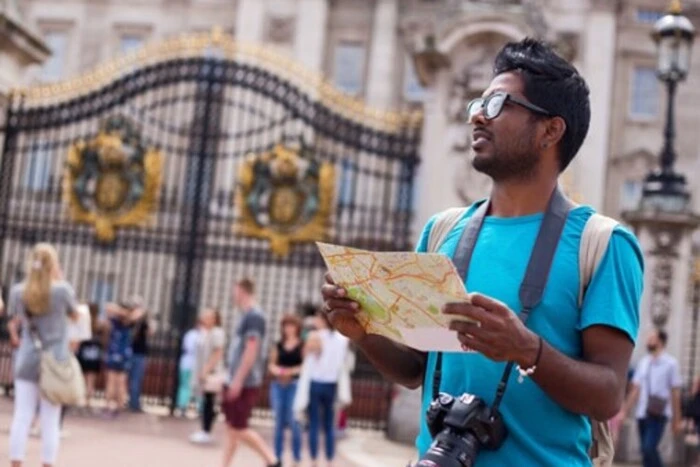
[532, 286]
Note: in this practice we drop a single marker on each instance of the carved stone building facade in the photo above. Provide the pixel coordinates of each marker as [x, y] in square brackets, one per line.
[365, 47]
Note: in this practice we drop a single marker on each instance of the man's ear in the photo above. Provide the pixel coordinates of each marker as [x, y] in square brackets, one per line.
[553, 131]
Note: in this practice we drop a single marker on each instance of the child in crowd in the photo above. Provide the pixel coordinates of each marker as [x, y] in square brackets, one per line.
[121, 319]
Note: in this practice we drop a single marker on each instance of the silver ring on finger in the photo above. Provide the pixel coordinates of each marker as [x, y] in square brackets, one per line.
[465, 336]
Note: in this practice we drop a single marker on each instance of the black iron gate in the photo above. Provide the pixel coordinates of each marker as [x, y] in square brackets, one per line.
[205, 103]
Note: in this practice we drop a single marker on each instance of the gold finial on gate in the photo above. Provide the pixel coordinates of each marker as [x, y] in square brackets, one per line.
[675, 7]
[217, 34]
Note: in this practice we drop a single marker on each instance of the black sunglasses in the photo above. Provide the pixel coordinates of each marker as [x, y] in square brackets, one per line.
[493, 105]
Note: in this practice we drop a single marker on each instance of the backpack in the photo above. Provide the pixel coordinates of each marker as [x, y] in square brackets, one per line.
[594, 242]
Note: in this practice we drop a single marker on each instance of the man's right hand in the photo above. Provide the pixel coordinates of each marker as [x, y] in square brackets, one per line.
[341, 311]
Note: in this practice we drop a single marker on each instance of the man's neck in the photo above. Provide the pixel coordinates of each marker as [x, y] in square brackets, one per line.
[247, 306]
[520, 198]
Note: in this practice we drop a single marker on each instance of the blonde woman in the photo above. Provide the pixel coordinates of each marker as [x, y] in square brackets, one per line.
[40, 303]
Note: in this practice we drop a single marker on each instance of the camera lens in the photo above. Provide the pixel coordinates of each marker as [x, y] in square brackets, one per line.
[451, 450]
[468, 455]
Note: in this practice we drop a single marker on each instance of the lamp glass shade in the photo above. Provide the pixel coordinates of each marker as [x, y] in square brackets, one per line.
[664, 202]
[674, 36]
[665, 57]
[684, 56]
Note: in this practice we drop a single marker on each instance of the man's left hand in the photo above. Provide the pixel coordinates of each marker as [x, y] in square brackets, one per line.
[498, 333]
[234, 390]
[678, 426]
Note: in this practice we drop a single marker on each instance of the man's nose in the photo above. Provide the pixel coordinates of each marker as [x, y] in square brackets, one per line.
[477, 118]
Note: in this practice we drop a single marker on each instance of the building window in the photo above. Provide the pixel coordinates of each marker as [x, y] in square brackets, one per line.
[630, 195]
[645, 93]
[129, 42]
[349, 65]
[38, 169]
[413, 91]
[648, 16]
[54, 67]
[102, 292]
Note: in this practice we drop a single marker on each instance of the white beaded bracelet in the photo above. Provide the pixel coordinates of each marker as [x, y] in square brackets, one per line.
[530, 371]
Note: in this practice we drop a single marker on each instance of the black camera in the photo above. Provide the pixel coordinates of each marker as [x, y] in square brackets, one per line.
[460, 427]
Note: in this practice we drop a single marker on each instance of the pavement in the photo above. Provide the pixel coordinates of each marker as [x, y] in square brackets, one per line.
[153, 438]
[137, 440]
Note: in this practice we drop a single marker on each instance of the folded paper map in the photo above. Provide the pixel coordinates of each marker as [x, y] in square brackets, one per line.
[401, 293]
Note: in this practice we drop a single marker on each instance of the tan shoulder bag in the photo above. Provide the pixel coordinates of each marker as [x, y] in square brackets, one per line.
[60, 381]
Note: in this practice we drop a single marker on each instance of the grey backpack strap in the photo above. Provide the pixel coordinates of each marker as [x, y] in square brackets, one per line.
[532, 287]
[537, 273]
[462, 258]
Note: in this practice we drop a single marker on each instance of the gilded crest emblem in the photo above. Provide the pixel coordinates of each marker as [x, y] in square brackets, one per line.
[286, 196]
[112, 180]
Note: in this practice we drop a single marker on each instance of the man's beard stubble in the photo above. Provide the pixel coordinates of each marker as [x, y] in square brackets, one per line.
[517, 162]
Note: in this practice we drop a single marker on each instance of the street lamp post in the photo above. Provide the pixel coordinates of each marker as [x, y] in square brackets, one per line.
[664, 212]
[664, 189]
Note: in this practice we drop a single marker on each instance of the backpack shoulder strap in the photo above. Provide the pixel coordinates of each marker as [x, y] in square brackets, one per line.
[443, 225]
[594, 242]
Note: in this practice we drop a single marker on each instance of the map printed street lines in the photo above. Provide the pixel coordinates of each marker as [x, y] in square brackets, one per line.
[401, 293]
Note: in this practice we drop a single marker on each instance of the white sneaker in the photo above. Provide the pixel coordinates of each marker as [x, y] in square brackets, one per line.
[201, 438]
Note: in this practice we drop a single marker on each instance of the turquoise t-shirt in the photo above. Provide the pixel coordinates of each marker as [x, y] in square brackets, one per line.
[541, 433]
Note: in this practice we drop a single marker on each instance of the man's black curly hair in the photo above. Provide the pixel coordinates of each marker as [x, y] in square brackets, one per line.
[551, 83]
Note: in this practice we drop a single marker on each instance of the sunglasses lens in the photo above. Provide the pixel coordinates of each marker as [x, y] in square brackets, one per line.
[473, 108]
[494, 105]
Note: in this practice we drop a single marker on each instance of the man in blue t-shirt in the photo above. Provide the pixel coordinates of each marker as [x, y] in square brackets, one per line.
[527, 128]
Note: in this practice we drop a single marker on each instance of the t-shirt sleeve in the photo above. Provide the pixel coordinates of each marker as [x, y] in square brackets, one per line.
[218, 338]
[639, 373]
[187, 342]
[71, 301]
[614, 294]
[85, 322]
[14, 305]
[254, 327]
[676, 378]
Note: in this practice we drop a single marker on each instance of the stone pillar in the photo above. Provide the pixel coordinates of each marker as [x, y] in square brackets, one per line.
[382, 59]
[311, 29]
[19, 48]
[435, 175]
[598, 69]
[250, 20]
[678, 303]
[666, 241]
